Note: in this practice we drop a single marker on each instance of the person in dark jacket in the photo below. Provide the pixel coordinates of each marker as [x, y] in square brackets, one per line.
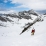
[33, 31]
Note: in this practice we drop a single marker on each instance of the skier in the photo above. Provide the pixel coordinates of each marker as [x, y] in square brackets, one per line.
[33, 31]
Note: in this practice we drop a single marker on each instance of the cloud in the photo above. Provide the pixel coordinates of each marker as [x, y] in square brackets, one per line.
[32, 4]
[5, 1]
[21, 6]
[8, 11]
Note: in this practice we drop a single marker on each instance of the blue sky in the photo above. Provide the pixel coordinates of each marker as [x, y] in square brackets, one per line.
[6, 5]
[21, 5]
[13, 6]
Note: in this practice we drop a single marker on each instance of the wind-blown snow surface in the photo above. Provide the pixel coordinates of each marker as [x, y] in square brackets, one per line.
[9, 36]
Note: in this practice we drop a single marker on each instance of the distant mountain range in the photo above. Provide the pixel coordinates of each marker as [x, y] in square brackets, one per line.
[42, 11]
[19, 15]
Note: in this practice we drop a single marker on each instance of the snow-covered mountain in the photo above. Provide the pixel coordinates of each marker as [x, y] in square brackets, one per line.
[45, 14]
[11, 25]
[11, 18]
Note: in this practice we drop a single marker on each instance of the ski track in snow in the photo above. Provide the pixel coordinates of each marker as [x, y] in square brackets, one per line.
[9, 36]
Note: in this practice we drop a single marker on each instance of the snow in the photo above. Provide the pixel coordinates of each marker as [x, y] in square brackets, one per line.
[9, 36]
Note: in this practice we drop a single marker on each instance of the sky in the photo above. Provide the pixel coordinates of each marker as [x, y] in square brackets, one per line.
[21, 5]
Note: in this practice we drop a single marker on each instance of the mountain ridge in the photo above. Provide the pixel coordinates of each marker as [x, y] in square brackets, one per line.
[23, 14]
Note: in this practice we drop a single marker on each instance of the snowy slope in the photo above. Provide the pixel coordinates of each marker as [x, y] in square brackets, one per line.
[6, 19]
[9, 36]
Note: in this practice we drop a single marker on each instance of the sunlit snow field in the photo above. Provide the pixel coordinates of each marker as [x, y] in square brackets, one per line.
[9, 36]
